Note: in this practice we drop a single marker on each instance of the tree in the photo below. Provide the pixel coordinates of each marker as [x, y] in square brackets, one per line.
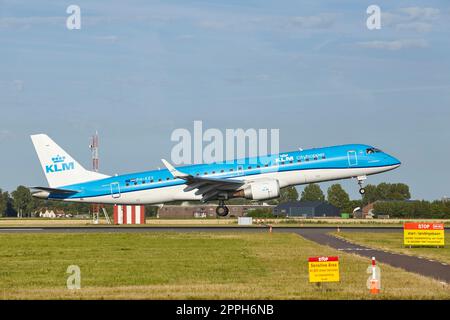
[386, 191]
[371, 194]
[338, 197]
[400, 191]
[288, 194]
[22, 201]
[312, 192]
[4, 199]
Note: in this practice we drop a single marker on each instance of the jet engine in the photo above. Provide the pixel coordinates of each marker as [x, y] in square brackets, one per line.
[260, 190]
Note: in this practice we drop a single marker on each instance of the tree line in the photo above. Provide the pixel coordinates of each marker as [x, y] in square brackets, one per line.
[21, 203]
[392, 199]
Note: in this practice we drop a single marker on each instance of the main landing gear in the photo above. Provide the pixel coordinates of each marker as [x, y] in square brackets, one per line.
[361, 179]
[222, 209]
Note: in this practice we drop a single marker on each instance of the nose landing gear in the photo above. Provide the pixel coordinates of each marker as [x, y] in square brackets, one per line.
[361, 179]
[222, 209]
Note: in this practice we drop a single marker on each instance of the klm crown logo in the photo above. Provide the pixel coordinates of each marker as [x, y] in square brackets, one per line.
[58, 159]
[59, 165]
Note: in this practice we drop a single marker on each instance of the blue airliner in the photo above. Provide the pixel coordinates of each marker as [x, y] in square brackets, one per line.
[258, 178]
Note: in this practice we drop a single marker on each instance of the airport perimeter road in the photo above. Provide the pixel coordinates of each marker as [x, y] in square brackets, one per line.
[320, 235]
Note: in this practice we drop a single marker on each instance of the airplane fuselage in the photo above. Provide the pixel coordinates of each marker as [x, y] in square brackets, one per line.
[289, 169]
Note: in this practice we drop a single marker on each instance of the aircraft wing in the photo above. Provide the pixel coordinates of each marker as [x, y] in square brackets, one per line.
[207, 187]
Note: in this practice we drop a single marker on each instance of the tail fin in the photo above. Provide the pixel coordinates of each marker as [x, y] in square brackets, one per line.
[59, 167]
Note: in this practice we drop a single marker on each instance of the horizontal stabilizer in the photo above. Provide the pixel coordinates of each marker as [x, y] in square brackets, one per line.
[55, 191]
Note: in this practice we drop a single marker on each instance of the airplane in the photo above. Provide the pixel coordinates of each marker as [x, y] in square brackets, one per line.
[255, 178]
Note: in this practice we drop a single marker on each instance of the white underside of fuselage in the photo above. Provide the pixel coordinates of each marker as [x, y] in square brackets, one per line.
[287, 178]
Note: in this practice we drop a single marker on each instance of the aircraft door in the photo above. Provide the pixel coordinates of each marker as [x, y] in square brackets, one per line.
[115, 190]
[352, 158]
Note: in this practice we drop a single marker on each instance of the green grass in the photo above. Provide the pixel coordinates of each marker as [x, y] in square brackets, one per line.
[188, 266]
[394, 242]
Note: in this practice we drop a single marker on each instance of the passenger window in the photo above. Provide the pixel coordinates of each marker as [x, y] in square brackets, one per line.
[221, 171]
[249, 167]
[231, 169]
[206, 173]
[151, 181]
[282, 162]
[290, 161]
[167, 178]
[159, 180]
[266, 165]
[213, 172]
[258, 166]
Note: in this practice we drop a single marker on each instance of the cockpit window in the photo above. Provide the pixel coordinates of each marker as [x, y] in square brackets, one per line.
[373, 150]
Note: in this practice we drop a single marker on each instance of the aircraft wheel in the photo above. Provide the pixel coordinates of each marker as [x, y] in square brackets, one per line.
[362, 191]
[222, 211]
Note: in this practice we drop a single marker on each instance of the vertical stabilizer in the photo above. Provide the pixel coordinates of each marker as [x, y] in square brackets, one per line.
[59, 167]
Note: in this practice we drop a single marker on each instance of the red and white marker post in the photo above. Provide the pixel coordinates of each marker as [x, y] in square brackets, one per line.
[374, 279]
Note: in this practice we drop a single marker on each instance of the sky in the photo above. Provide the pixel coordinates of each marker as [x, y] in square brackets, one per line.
[138, 70]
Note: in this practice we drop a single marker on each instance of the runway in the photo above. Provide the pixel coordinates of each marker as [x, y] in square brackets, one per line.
[321, 235]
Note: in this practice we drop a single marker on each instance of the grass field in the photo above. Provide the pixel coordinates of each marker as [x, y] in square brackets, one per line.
[291, 222]
[394, 242]
[188, 266]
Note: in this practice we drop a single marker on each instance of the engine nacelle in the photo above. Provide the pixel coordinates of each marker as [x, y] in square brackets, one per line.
[262, 190]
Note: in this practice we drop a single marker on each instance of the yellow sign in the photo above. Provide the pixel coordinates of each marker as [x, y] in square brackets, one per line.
[423, 234]
[323, 269]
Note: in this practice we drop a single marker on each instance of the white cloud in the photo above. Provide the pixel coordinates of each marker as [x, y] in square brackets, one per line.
[417, 19]
[290, 23]
[5, 134]
[18, 84]
[107, 39]
[418, 13]
[313, 22]
[395, 44]
[421, 27]
[25, 22]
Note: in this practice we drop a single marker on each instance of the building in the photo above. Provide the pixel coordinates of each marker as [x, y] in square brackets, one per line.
[46, 213]
[204, 211]
[306, 209]
[367, 211]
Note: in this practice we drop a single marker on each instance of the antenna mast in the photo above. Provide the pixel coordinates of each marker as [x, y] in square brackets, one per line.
[95, 166]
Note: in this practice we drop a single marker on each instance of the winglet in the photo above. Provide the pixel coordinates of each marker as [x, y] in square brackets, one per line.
[175, 173]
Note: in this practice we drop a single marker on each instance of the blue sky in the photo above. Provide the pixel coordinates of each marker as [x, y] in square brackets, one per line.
[137, 70]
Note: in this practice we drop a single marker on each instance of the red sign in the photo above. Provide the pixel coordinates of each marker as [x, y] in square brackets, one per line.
[423, 226]
[323, 259]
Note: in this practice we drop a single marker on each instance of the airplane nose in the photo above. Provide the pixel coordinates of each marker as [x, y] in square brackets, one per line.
[393, 161]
